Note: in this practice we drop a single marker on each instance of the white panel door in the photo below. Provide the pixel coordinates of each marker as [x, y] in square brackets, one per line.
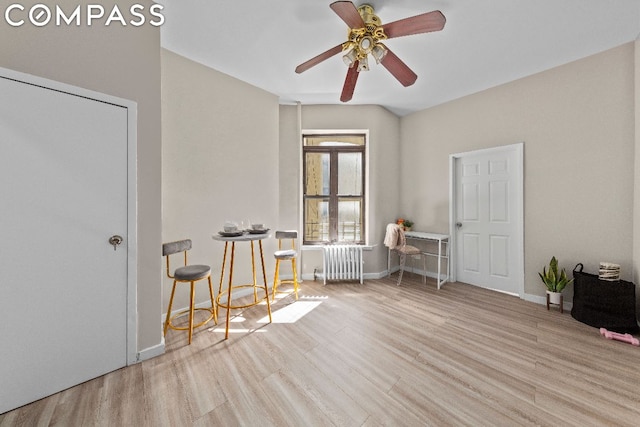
[488, 220]
[63, 194]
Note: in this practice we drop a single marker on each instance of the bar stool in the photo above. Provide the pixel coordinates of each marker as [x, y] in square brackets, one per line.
[286, 255]
[191, 274]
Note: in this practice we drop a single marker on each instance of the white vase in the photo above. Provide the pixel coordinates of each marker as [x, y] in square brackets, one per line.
[554, 297]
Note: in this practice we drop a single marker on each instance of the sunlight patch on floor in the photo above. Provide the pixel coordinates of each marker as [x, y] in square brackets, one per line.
[291, 313]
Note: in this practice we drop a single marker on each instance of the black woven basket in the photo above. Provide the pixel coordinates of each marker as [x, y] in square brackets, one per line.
[604, 304]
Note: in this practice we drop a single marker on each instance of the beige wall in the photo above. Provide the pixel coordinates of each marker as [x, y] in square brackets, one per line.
[123, 62]
[383, 165]
[219, 162]
[290, 152]
[577, 125]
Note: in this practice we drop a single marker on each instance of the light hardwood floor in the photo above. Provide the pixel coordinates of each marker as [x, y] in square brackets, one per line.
[369, 355]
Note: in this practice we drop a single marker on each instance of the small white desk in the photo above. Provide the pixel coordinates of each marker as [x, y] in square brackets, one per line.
[443, 250]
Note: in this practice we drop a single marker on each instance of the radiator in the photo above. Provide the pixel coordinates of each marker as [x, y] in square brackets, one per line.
[342, 262]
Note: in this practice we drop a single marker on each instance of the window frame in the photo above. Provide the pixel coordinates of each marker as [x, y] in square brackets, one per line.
[334, 197]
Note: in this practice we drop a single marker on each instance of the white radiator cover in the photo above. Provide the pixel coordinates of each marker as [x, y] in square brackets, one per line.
[342, 262]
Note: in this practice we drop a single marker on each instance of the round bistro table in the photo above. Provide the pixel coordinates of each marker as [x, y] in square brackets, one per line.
[245, 237]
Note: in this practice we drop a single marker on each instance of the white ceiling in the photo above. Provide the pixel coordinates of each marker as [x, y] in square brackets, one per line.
[483, 44]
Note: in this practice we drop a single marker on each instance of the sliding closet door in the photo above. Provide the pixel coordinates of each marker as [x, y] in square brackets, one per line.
[63, 286]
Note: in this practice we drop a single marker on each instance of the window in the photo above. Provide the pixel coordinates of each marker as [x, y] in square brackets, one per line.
[334, 188]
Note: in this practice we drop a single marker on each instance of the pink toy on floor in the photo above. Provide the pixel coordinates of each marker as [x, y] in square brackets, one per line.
[628, 338]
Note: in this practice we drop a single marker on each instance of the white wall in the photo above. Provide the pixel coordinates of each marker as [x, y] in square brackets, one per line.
[577, 125]
[219, 162]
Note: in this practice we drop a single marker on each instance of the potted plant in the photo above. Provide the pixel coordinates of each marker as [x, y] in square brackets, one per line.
[554, 281]
[407, 224]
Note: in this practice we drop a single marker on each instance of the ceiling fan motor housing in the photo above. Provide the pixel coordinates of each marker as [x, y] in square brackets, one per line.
[371, 20]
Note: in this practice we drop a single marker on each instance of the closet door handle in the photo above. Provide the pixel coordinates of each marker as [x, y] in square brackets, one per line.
[115, 241]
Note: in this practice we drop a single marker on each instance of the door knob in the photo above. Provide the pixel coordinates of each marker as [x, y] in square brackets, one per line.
[115, 240]
[458, 224]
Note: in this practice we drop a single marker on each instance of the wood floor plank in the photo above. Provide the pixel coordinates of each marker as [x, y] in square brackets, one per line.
[363, 386]
[372, 354]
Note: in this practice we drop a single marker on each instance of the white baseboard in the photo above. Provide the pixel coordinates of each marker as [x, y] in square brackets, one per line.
[367, 276]
[542, 300]
[535, 298]
[151, 352]
[373, 276]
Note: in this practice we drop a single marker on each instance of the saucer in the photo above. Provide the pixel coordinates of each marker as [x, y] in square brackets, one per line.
[258, 231]
[231, 233]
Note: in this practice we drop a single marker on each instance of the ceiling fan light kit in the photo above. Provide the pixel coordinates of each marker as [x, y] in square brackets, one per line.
[365, 37]
[378, 52]
[363, 41]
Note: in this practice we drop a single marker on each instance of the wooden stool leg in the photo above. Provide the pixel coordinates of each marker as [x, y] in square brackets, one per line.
[253, 272]
[275, 279]
[233, 251]
[193, 297]
[547, 301]
[295, 277]
[264, 280]
[224, 261]
[214, 309]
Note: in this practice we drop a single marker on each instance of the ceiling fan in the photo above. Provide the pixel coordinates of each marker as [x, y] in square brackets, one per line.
[365, 37]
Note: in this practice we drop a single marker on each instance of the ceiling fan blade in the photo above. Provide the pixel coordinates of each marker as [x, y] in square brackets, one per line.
[425, 23]
[350, 83]
[399, 69]
[318, 59]
[348, 12]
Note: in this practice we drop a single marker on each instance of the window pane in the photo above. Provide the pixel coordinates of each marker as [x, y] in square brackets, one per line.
[317, 169]
[333, 140]
[350, 174]
[350, 219]
[316, 227]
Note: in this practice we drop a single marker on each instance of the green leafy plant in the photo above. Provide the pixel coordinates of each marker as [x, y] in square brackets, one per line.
[408, 223]
[554, 281]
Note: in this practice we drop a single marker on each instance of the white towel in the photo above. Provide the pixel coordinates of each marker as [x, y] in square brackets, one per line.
[392, 238]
